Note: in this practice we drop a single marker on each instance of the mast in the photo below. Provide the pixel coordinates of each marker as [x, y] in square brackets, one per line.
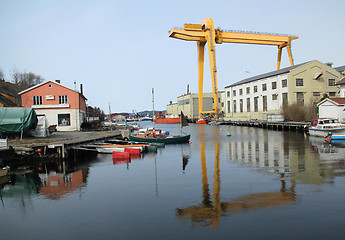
[153, 108]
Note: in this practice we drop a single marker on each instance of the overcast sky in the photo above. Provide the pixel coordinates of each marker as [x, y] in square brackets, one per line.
[120, 50]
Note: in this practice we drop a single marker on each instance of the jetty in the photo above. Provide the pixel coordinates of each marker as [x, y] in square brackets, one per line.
[59, 143]
[279, 126]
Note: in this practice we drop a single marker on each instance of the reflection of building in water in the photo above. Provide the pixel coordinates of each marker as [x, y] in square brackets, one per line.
[260, 150]
[283, 153]
[212, 208]
[57, 185]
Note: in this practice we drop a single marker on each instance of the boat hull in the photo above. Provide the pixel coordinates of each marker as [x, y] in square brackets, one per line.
[166, 140]
[201, 121]
[3, 172]
[325, 132]
[168, 120]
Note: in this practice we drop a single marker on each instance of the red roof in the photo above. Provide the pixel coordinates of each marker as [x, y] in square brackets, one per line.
[338, 100]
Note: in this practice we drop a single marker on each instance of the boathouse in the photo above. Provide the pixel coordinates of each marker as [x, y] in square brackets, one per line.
[62, 106]
[263, 96]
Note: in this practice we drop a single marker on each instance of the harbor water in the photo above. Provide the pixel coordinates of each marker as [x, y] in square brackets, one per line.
[254, 184]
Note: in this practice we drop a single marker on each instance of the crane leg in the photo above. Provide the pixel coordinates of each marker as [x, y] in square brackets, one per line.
[201, 47]
[279, 57]
[213, 67]
[288, 47]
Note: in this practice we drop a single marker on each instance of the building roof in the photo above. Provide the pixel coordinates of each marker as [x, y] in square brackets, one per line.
[338, 100]
[335, 101]
[266, 75]
[45, 82]
[340, 69]
[341, 81]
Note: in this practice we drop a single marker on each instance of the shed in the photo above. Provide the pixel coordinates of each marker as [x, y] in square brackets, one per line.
[332, 108]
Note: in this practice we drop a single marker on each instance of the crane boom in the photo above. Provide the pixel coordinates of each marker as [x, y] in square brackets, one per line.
[206, 33]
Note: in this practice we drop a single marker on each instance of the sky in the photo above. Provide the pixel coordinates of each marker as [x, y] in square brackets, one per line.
[120, 50]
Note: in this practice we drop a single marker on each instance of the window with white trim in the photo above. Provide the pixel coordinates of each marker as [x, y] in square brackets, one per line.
[37, 100]
[63, 99]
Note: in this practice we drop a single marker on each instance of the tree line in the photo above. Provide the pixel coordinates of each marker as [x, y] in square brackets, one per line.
[22, 80]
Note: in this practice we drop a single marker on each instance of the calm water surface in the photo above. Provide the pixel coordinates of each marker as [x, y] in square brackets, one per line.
[256, 184]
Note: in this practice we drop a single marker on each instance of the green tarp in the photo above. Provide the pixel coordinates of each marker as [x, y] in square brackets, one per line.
[17, 119]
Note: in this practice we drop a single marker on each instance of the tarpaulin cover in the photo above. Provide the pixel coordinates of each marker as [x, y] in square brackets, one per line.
[17, 119]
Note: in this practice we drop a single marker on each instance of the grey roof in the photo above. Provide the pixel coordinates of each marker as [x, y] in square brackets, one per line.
[266, 75]
[340, 69]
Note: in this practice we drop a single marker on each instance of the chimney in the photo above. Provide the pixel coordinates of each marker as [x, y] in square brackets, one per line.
[58, 81]
[81, 89]
[329, 64]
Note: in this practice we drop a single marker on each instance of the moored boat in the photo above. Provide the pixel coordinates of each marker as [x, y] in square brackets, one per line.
[153, 136]
[322, 127]
[4, 171]
[201, 121]
[160, 138]
[168, 120]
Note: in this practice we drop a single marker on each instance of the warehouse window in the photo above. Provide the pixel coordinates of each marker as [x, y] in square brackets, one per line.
[241, 105]
[256, 104]
[299, 82]
[331, 82]
[248, 90]
[264, 103]
[264, 87]
[248, 104]
[255, 89]
[234, 93]
[274, 96]
[284, 83]
[300, 98]
[241, 91]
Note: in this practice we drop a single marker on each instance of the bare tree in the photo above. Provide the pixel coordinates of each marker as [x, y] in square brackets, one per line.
[2, 76]
[24, 80]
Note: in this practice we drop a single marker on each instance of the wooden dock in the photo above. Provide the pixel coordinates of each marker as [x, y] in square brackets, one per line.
[279, 126]
[59, 143]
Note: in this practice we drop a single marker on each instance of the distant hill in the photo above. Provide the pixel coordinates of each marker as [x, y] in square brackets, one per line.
[142, 113]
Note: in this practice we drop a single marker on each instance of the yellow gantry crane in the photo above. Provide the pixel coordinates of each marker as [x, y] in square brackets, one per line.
[206, 33]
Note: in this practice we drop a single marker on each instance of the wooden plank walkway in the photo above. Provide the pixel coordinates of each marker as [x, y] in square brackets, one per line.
[61, 142]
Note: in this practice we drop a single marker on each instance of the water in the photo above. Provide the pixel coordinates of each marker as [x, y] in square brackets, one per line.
[255, 184]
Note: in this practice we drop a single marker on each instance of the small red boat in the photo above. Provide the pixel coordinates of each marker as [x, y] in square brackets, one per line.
[201, 121]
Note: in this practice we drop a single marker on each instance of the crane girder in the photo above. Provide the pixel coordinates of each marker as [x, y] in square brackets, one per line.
[206, 33]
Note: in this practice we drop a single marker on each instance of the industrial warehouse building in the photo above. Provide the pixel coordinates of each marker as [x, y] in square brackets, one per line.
[189, 104]
[262, 97]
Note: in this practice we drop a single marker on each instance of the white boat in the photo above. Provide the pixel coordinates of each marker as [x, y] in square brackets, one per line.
[322, 127]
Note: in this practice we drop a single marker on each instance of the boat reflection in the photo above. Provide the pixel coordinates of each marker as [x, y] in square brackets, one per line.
[210, 211]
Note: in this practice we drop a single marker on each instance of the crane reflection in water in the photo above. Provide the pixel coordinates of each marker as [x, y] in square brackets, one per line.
[212, 208]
